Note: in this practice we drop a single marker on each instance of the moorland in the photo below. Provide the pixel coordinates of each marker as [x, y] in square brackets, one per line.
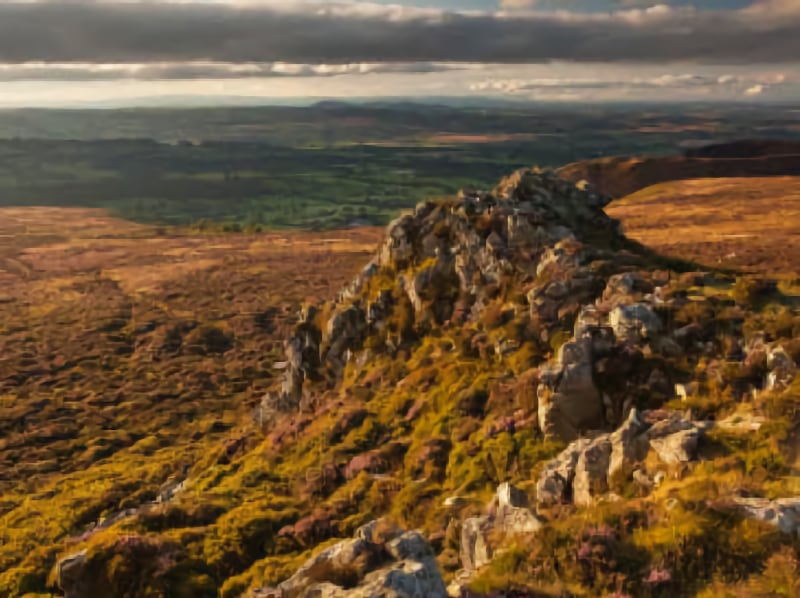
[139, 355]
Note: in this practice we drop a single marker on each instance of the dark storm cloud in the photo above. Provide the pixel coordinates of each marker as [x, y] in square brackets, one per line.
[357, 32]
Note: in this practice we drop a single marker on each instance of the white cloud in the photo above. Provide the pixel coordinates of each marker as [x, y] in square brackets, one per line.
[517, 4]
[609, 83]
[755, 90]
[59, 71]
[774, 8]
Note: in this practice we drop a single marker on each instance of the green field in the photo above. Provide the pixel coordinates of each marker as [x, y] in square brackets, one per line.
[324, 166]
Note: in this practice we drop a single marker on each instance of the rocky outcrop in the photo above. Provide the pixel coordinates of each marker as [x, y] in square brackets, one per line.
[675, 440]
[782, 369]
[590, 478]
[302, 356]
[628, 445]
[609, 336]
[445, 260]
[507, 514]
[380, 561]
[583, 471]
[633, 323]
[70, 576]
[783, 513]
[569, 401]
[555, 482]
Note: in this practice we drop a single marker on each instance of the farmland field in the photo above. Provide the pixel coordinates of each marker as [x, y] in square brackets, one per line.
[321, 167]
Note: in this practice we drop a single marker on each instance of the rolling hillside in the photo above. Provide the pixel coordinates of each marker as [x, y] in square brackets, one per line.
[621, 176]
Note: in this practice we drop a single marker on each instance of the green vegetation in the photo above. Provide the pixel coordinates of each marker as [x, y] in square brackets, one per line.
[319, 167]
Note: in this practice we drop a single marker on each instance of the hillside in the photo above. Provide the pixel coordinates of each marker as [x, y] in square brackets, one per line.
[129, 354]
[621, 176]
[748, 224]
[508, 395]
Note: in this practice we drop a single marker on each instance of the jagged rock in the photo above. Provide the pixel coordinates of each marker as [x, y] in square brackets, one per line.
[522, 232]
[302, 361]
[666, 346]
[562, 257]
[170, 489]
[435, 286]
[507, 514]
[71, 576]
[590, 322]
[555, 482]
[679, 447]
[392, 563]
[659, 384]
[406, 579]
[509, 497]
[354, 288]
[475, 550]
[448, 255]
[688, 336]
[409, 546]
[684, 391]
[398, 247]
[379, 309]
[783, 513]
[512, 515]
[583, 470]
[621, 287]
[782, 369]
[346, 331]
[569, 401]
[591, 471]
[632, 323]
[628, 445]
[643, 480]
[675, 439]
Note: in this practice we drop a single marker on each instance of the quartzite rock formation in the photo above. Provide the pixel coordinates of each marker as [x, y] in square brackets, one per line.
[381, 561]
[448, 259]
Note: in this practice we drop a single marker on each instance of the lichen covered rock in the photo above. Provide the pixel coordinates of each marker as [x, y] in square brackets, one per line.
[583, 471]
[380, 561]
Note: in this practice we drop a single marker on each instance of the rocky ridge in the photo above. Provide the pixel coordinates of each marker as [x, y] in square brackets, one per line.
[446, 261]
[583, 368]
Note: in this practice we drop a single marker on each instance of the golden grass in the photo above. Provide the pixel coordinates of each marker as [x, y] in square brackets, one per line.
[86, 379]
[752, 224]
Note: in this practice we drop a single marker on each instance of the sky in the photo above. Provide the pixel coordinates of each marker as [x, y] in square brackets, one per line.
[72, 53]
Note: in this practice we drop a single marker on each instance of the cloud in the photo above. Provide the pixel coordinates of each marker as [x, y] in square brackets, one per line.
[50, 71]
[355, 32]
[517, 4]
[750, 85]
[774, 8]
[755, 90]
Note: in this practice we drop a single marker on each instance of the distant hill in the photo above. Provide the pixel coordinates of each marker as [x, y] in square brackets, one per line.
[746, 148]
[621, 176]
